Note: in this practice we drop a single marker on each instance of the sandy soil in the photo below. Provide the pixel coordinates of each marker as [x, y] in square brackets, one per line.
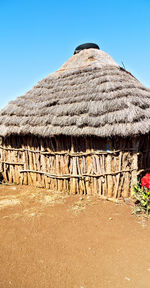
[52, 240]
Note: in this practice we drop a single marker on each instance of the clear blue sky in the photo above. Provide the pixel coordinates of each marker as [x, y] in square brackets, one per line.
[38, 36]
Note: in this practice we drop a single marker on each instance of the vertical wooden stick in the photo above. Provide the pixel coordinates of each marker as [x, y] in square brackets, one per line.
[135, 142]
[89, 164]
[118, 176]
[73, 169]
[108, 165]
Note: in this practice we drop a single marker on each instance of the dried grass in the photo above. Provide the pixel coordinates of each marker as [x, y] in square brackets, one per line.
[8, 202]
[32, 203]
[81, 204]
[83, 98]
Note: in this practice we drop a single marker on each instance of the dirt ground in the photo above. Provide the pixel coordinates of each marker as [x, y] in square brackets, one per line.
[52, 240]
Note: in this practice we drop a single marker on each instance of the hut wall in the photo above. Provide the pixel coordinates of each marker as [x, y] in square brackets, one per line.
[78, 165]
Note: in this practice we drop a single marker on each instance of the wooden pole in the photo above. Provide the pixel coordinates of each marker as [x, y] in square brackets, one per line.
[135, 142]
[118, 176]
[89, 166]
[73, 170]
[108, 169]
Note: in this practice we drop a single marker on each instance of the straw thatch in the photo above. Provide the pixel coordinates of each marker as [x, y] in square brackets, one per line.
[89, 95]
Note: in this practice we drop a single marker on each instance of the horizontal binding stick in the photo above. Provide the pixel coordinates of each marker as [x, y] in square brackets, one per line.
[72, 154]
[75, 176]
[11, 163]
[143, 170]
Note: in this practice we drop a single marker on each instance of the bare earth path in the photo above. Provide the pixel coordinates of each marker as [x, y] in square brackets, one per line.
[54, 241]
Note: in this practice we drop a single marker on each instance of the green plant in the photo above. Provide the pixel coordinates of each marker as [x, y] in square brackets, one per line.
[142, 196]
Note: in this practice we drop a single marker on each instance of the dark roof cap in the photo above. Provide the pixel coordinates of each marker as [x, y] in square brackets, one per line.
[85, 46]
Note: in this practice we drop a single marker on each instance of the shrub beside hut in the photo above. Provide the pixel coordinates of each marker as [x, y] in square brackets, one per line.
[83, 129]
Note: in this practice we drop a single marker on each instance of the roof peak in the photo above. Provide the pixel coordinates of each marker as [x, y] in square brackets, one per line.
[88, 57]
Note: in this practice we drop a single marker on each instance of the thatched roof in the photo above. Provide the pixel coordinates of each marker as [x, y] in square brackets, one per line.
[89, 95]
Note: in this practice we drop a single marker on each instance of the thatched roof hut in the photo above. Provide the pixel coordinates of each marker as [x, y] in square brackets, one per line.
[84, 128]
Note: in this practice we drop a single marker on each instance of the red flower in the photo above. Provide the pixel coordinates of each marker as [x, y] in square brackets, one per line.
[145, 181]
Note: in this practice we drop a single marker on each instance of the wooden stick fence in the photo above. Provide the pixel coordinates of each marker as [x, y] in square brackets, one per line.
[78, 165]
